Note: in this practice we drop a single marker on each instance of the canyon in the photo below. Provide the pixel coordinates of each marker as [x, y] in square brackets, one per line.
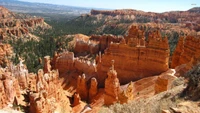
[100, 71]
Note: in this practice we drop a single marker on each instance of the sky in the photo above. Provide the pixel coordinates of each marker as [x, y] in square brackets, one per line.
[144, 5]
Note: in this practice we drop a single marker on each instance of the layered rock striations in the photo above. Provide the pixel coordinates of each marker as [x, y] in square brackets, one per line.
[84, 45]
[136, 57]
[187, 52]
[66, 62]
[105, 40]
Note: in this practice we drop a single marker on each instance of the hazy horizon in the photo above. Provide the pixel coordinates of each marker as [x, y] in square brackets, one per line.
[144, 5]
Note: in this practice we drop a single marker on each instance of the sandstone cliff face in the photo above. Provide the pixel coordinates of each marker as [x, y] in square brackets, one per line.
[141, 58]
[187, 52]
[15, 25]
[85, 45]
[105, 40]
[66, 62]
[189, 19]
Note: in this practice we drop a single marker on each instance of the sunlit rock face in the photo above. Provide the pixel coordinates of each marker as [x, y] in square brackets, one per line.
[93, 89]
[187, 52]
[82, 88]
[84, 45]
[49, 95]
[135, 57]
[112, 87]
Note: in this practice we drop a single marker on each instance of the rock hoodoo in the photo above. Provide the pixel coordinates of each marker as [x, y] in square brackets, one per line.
[127, 94]
[93, 89]
[112, 87]
[49, 96]
[82, 88]
[47, 66]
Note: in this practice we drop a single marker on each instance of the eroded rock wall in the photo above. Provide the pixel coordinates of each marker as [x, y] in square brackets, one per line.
[187, 51]
[136, 58]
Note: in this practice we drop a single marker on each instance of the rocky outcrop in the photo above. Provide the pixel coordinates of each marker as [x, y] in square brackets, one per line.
[84, 45]
[6, 52]
[66, 62]
[161, 85]
[105, 40]
[32, 81]
[112, 87]
[127, 94]
[16, 25]
[9, 90]
[121, 12]
[50, 96]
[141, 58]
[189, 19]
[47, 65]
[93, 89]
[77, 99]
[82, 88]
[187, 52]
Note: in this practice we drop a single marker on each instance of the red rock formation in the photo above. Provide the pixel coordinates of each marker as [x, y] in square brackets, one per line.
[92, 45]
[9, 87]
[3, 98]
[161, 85]
[126, 94]
[50, 96]
[77, 99]
[85, 66]
[82, 88]
[121, 12]
[64, 62]
[17, 26]
[93, 89]
[32, 82]
[47, 66]
[187, 52]
[9, 90]
[4, 13]
[112, 87]
[141, 58]
[6, 52]
[105, 40]
[177, 53]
